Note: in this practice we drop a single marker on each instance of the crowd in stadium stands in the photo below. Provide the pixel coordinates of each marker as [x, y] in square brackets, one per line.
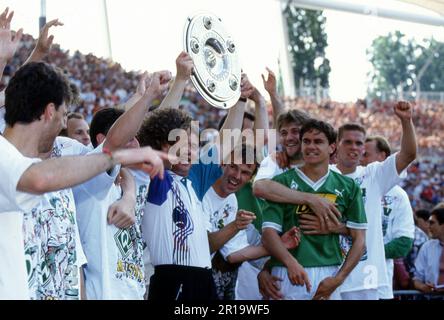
[103, 84]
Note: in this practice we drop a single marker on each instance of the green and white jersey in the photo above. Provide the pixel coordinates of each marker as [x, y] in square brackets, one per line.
[320, 250]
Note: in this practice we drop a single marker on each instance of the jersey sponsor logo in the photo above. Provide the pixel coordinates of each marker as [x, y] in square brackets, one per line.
[305, 209]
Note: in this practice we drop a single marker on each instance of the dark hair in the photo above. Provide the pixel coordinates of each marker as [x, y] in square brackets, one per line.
[157, 127]
[31, 89]
[423, 214]
[350, 127]
[382, 145]
[321, 126]
[247, 115]
[102, 121]
[439, 214]
[296, 116]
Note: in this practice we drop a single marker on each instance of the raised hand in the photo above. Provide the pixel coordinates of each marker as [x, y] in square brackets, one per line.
[246, 87]
[184, 65]
[8, 44]
[282, 159]
[404, 110]
[270, 83]
[44, 42]
[152, 85]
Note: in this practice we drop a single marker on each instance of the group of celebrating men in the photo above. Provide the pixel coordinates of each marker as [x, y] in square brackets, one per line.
[85, 219]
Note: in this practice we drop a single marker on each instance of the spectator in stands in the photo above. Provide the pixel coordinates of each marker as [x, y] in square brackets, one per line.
[429, 273]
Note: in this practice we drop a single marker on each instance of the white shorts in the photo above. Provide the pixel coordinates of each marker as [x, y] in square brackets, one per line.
[247, 287]
[315, 275]
[367, 294]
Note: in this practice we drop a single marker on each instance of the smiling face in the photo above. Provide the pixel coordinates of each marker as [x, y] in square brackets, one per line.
[235, 176]
[316, 148]
[351, 148]
[187, 150]
[289, 139]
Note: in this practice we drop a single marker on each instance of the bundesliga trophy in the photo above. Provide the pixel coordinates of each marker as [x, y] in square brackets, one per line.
[217, 71]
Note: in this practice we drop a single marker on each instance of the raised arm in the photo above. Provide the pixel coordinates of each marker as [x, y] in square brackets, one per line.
[270, 85]
[260, 114]
[44, 42]
[184, 66]
[407, 154]
[126, 127]
[8, 43]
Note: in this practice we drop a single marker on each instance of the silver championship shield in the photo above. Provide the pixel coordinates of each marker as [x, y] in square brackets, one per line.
[217, 71]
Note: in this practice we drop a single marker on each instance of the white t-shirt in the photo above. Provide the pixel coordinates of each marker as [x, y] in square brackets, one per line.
[222, 211]
[2, 119]
[174, 226]
[115, 264]
[375, 181]
[268, 169]
[13, 275]
[397, 221]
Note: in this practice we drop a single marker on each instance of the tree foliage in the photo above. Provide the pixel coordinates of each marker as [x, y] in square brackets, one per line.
[398, 61]
[307, 43]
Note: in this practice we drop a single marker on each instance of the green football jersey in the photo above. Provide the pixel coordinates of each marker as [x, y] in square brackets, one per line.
[248, 202]
[316, 250]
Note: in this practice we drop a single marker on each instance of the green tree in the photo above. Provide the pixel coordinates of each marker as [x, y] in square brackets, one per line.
[392, 57]
[431, 61]
[400, 63]
[307, 43]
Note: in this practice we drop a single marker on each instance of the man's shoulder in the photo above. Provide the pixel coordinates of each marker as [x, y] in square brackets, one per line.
[341, 179]
[286, 175]
[429, 244]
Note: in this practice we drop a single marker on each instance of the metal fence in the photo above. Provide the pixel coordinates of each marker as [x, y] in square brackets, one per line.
[416, 295]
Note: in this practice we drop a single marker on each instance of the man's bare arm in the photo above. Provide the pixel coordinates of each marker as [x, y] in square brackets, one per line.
[408, 151]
